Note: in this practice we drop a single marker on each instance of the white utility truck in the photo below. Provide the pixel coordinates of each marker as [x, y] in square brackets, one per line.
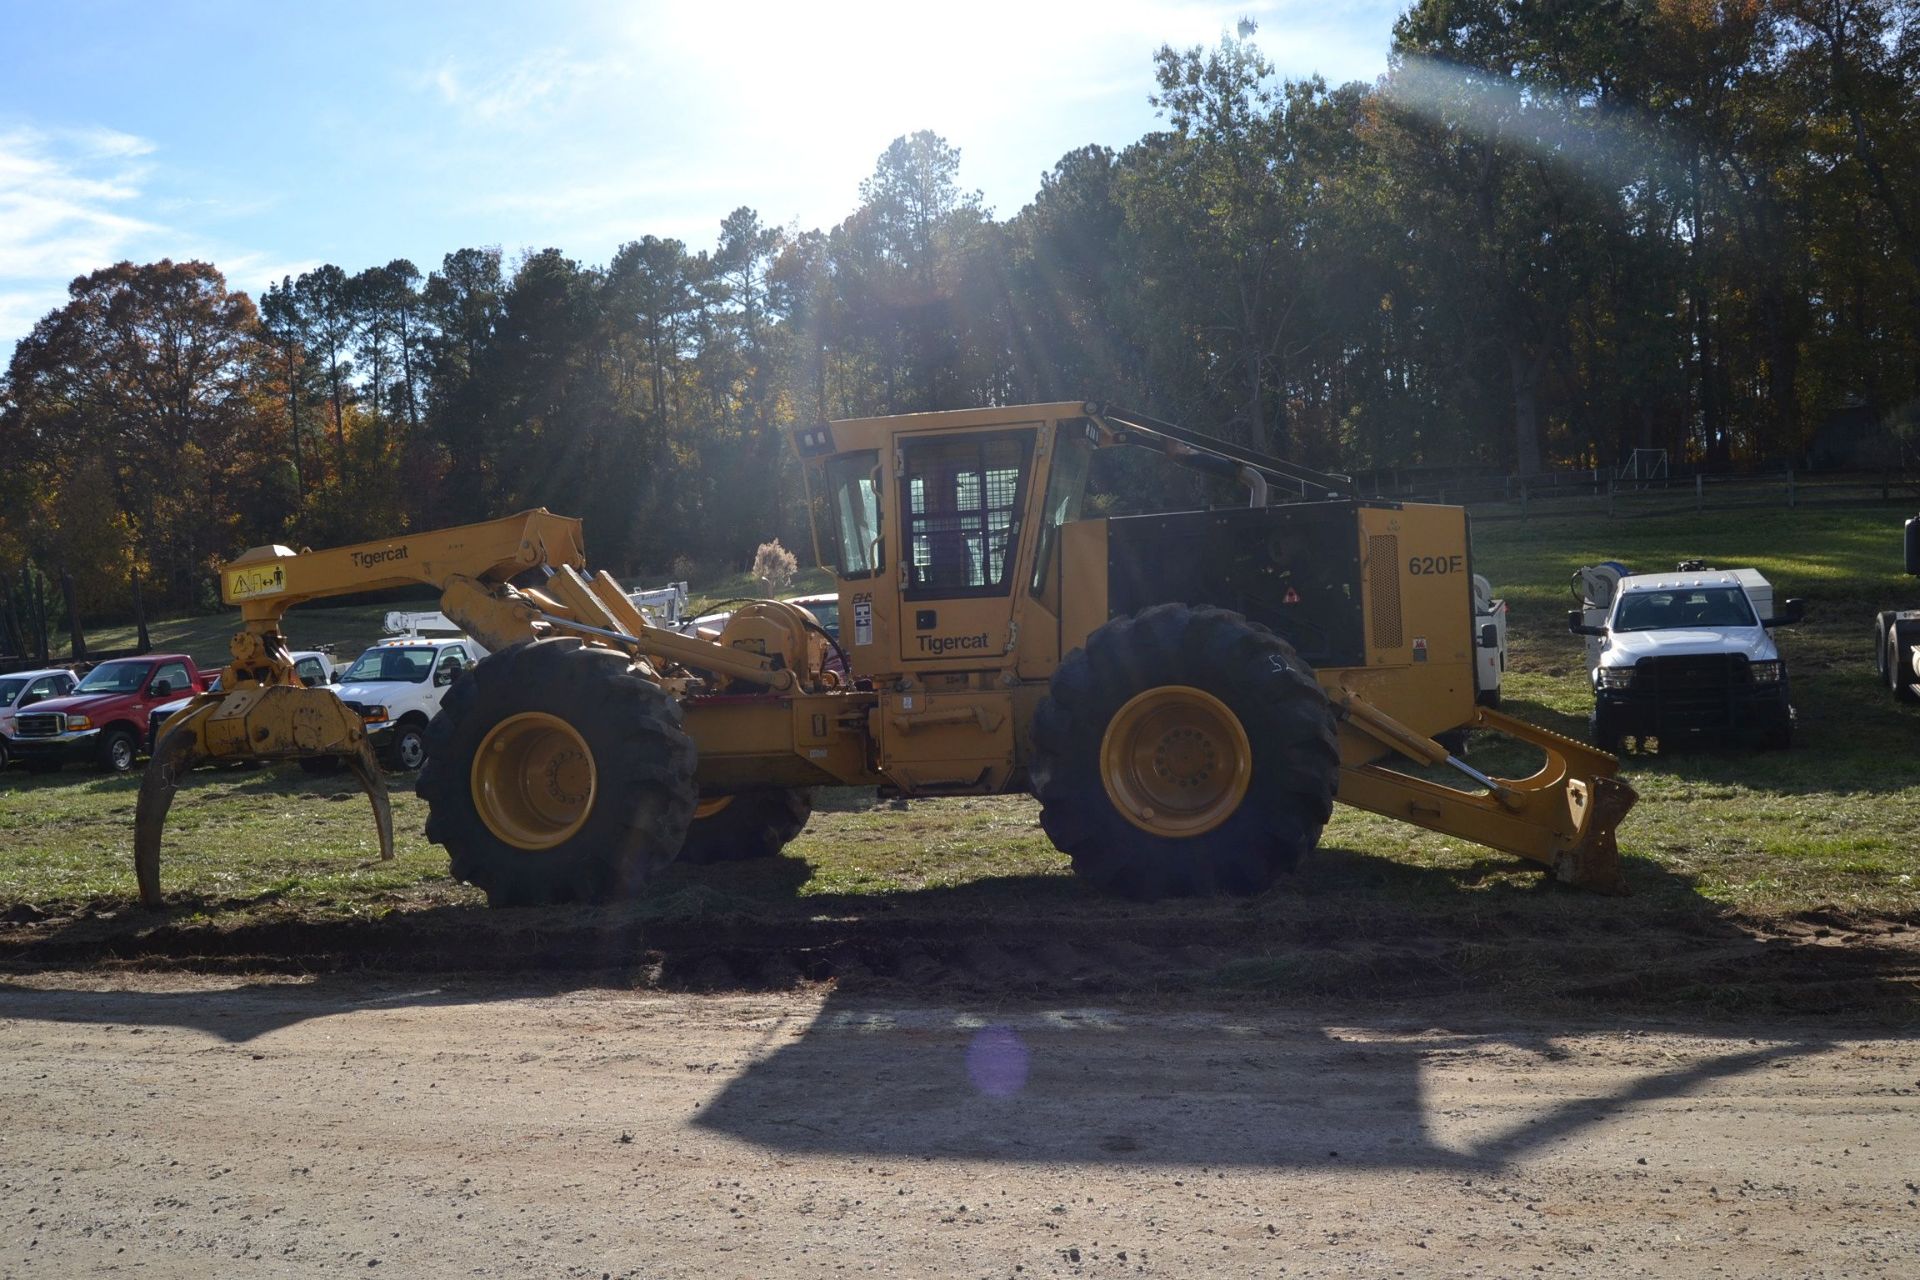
[1684, 656]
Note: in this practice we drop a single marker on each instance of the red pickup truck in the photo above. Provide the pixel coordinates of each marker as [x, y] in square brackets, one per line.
[103, 722]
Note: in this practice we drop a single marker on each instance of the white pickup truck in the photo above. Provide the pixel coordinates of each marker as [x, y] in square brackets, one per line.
[1685, 655]
[396, 687]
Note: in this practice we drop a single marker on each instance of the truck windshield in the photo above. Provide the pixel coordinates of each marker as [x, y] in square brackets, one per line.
[1685, 607]
[376, 665]
[114, 677]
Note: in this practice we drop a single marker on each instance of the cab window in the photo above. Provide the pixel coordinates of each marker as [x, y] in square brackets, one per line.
[962, 501]
[851, 518]
[1066, 486]
[308, 669]
[175, 676]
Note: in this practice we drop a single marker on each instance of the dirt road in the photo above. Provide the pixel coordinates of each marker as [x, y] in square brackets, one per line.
[157, 1126]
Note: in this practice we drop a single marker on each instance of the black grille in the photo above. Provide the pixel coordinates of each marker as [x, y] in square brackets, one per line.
[44, 724]
[1694, 690]
[1715, 671]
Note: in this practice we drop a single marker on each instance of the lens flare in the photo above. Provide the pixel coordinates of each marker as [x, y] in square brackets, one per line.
[997, 1062]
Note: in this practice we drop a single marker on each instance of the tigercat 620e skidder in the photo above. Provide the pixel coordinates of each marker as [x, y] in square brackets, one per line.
[1186, 694]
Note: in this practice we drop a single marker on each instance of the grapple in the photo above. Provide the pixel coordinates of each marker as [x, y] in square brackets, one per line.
[265, 722]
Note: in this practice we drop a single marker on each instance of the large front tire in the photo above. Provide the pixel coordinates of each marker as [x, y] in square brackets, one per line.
[754, 824]
[1184, 751]
[555, 774]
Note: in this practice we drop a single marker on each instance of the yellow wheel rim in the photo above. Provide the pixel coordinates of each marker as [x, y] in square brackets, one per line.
[534, 780]
[1175, 761]
[707, 808]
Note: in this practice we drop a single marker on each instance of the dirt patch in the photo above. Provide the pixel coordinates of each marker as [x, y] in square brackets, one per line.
[1820, 961]
[176, 1125]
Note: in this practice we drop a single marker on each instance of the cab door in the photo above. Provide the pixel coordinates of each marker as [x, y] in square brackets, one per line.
[961, 500]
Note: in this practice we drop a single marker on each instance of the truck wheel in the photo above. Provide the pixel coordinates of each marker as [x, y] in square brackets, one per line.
[1605, 734]
[1902, 638]
[1881, 623]
[1184, 751]
[556, 774]
[119, 748]
[756, 824]
[408, 750]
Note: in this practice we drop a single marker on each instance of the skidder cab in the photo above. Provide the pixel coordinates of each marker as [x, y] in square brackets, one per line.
[1186, 693]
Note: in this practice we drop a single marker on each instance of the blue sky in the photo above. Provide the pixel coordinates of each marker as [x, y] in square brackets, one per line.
[269, 138]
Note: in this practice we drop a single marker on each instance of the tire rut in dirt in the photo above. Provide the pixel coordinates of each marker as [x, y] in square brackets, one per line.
[1281, 708]
[644, 793]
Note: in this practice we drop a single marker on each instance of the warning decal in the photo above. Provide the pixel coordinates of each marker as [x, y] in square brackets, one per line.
[250, 583]
[863, 619]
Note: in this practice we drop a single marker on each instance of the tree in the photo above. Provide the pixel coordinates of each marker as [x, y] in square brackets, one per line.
[146, 390]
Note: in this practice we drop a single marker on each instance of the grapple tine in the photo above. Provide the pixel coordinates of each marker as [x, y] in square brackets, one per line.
[174, 755]
[1593, 862]
[366, 767]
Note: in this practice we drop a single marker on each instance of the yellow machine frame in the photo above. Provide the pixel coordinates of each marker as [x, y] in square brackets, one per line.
[945, 694]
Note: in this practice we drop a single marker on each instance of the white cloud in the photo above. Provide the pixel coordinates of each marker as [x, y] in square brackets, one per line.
[75, 200]
[504, 93]
[62, 203]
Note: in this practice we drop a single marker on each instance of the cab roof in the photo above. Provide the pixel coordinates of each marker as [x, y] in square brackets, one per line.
[36, 673]
[1679, 581]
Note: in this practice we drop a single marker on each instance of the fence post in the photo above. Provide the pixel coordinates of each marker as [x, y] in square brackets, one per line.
[1789, 486]
[1699, 493]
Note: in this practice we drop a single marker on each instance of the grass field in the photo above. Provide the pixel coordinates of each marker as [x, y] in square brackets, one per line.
[1826, 827]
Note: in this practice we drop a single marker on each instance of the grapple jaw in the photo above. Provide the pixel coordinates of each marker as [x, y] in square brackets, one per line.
[261, 722]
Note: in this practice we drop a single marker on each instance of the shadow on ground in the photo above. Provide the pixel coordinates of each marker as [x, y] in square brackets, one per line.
[901, 1073]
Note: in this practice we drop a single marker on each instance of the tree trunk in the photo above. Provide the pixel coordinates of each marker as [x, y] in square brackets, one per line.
[37, 590]
[1527, 368]
[16, 635]
[140, 613]
[293, 430]
[76, 638]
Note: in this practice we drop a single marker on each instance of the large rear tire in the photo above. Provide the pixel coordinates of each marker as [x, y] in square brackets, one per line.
[755, 824]
[1184, 751]
[555, 774]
